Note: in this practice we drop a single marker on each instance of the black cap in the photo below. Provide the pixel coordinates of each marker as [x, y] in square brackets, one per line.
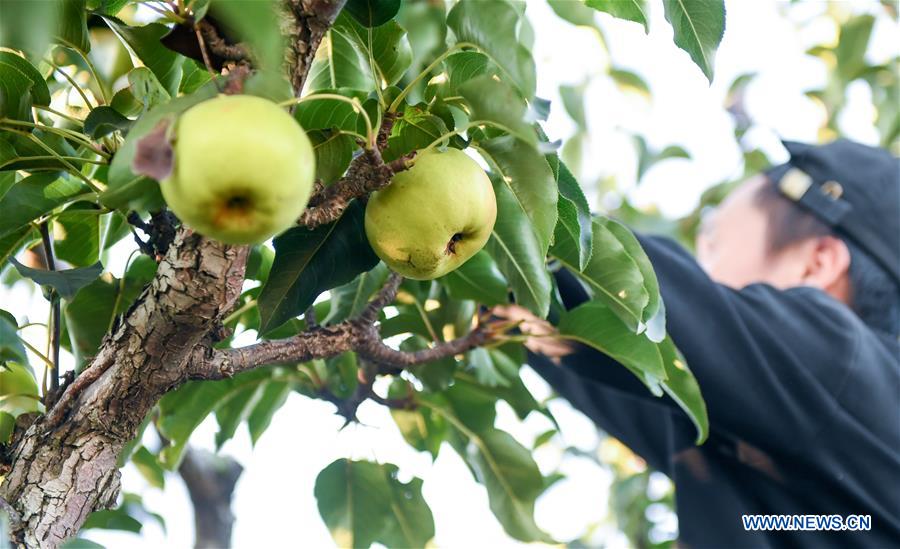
[853, 188]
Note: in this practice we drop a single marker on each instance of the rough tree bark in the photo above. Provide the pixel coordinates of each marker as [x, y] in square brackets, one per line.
[64, 466]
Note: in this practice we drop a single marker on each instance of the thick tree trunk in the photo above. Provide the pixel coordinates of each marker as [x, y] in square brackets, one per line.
[210, 480]
[64, 466]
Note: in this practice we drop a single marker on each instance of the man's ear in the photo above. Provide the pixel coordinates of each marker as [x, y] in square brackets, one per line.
[828, 267]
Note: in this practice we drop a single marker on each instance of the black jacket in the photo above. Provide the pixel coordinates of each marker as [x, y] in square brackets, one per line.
[803, 400]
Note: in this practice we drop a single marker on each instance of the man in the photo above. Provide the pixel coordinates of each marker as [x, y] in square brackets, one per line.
[789, 320]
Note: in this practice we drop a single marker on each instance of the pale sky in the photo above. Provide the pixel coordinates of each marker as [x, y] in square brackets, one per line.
[274, 500]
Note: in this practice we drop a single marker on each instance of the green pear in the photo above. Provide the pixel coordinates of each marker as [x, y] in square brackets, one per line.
[243, 169]
[433, 217]
[18, 395]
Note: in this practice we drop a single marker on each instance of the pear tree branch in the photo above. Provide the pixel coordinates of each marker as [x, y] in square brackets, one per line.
[367, 173]
[359, 334]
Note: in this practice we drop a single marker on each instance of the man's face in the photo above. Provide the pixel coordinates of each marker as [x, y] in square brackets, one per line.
[733, 244]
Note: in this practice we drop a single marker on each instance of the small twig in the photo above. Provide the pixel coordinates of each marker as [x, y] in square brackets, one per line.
[160, 232]
[385, 296]
[367, 173]
[310, 317]
[55, 322]
[204, 53]
[209, 37]
[394, 403]
[82, 382]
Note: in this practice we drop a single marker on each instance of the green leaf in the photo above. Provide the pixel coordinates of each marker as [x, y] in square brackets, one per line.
[27, 25]
[334, 151]
[573, 101]
[21, 86]
[342, 374]
[699, 26]
[146, 89]
[109, 7]
[464, 66]
[182, 410]
[76, 235]
[89, 314]
[66, 282]
[72, 29]
[426, 27]
[144, 43]
[415, 129]
[338, 65]
[104, 120]
[435, 375]
[372, 13]
[260, 262]
[125, 102]
[497, 102]
[17, 146]
[239, 405]
[113, 519]
[422, 429]
[11, 347]
[576, 13]
[630, 10]
[193, 76]
[350, 299]
[385, 48]
[573, 201]
[613, 277]
[308, 262]
[15, 241]
[478, 279]
[647, 158]
[512, 479]
[596, 325]
[637, 254]
[852, 46]
[330, 114]
[274, 396]
[473, 405]
[411, 523]
[518, 254]
[149, 467]
[34, 196]
[486, 373]
[492, 26]
[124, 185]
[527, 175]
[682, 386]
[354, 501]
[627, 80]
[256, 23]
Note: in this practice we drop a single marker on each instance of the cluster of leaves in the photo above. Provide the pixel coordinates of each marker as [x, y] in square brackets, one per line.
[461, 77]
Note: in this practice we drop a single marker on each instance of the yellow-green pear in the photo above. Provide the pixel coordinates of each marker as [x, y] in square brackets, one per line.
[243, 169]
[433, 217]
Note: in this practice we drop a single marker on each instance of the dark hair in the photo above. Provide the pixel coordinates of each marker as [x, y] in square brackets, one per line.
[875, 297]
